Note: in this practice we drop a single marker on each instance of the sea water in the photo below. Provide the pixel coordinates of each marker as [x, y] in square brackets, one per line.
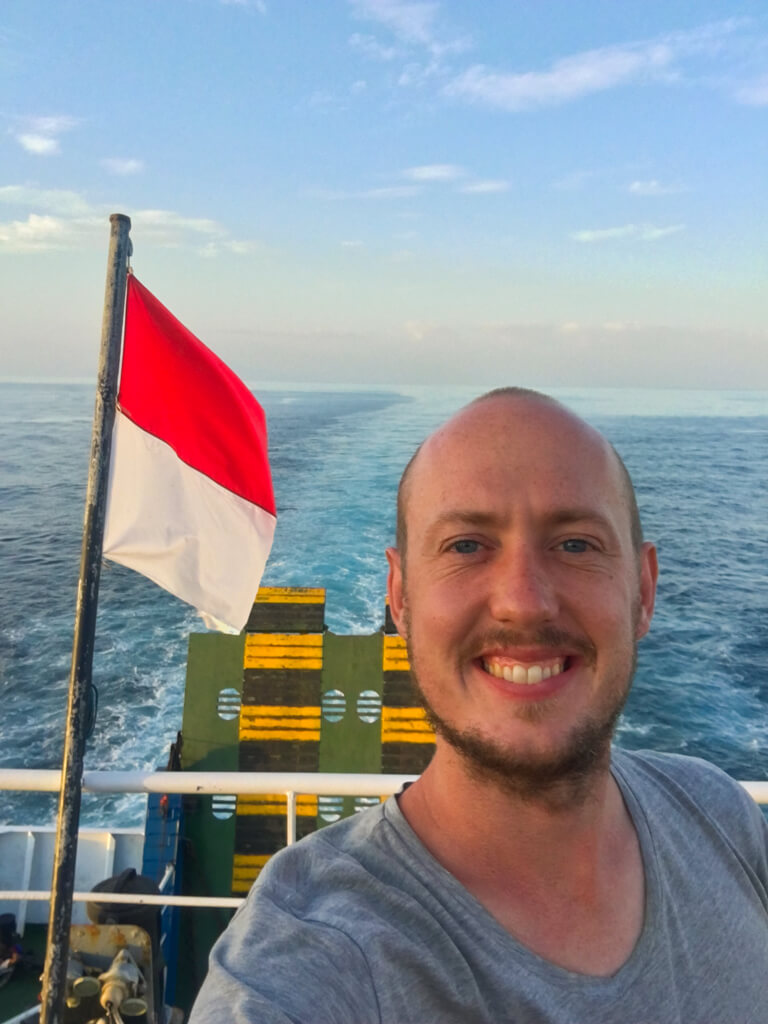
[699, 461]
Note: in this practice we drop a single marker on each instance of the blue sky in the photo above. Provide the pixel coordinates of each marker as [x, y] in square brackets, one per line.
[379, 191]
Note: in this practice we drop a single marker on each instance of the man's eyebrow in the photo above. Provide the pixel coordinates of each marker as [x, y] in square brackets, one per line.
[559, 517]
[463, 517]
[564, 516]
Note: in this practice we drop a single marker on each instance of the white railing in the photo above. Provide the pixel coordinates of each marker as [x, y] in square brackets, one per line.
[210, 783]
[289, 784]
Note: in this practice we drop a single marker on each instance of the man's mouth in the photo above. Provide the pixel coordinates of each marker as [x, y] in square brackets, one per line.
[526, 673]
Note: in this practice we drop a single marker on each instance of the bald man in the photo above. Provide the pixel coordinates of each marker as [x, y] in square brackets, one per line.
[532, 874]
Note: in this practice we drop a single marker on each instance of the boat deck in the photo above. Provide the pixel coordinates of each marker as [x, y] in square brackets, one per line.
[22, 992]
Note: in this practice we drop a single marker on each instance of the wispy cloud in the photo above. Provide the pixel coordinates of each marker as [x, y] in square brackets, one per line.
[591, 71]
[51, 200]
[40, 135]
[166, 225]
[608, 327]
[485, 187]
[434, 172]
[322, 98]
[122, 165]
[642, 232]
[754, 93]
[421, 178]
[55, 125]
[652, 188]
[575, 180]
[370, 47]
[257, 5]
[412, 23]
[385, 192]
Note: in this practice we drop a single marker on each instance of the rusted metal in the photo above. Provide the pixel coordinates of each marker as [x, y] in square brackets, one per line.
[63, 880]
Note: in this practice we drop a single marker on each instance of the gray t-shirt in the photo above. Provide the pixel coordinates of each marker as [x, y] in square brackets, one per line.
[359, 924]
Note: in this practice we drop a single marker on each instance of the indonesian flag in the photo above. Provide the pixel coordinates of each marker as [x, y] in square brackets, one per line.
[190, 501]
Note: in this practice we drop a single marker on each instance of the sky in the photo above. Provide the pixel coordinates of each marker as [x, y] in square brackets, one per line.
[384, 192]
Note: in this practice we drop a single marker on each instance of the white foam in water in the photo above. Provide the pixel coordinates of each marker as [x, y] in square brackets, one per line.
[699, 461]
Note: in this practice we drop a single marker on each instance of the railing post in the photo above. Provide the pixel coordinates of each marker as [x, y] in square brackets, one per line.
[290, 817]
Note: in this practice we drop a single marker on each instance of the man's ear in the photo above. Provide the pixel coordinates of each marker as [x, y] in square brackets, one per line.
[649, 574]
[395, 589]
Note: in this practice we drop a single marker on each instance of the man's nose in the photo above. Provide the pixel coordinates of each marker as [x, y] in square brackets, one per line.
[522, 590]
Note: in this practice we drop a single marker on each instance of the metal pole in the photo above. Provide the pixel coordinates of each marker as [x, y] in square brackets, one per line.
[65, 852]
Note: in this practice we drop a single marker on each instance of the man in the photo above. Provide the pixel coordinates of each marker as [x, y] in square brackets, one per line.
[531, 874]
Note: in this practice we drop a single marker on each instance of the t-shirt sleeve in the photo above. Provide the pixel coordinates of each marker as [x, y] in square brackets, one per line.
[273, 967]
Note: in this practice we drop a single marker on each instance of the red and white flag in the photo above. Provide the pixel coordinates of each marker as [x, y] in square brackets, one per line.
[190, 502]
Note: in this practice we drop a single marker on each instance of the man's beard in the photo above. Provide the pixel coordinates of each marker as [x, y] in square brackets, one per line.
[566, 775]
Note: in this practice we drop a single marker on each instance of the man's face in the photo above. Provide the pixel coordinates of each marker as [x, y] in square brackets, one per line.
[523, 597]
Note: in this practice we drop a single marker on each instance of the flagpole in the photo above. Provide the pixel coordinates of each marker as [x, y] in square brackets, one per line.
[65, 852]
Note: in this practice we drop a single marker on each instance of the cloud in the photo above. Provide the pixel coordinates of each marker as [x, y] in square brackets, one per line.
[754, 93]
[485, 187]
[359, 86]
[591, 71]
[389, 192]
[38, 144]
[413, 23]
[434, 172]
[416, 74]
[642, 232]
[385, 192]
[39, 135]
[35, 234]
[575, 180]
[370, 47]
[418, 330]
[56, 219]
[607, 327]
[167, 225]
[351, 243]
[258, 5]
[53, 200]
[321, 98]
[652, 188]
[649, 233]
[55, 125]
[212, 250]
[122, 165]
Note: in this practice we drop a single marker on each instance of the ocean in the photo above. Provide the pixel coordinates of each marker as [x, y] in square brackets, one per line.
[699, 461]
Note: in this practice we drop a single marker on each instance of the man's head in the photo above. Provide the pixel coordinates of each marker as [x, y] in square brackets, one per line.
[401, 536]
[527, 586]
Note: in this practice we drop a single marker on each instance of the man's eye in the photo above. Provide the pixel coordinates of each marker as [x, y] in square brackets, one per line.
[576, 546]
[465, 547]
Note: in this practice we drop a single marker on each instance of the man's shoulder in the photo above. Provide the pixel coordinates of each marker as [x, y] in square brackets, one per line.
[676, 781]
[680, 768]
[319, 872]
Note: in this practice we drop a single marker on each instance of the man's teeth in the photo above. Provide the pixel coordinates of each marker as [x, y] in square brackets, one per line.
[525, 673]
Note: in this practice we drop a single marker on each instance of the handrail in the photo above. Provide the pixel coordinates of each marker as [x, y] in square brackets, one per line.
[308, 783]
[197, 783]
[133, 898]
[200, 783]
[312, 783]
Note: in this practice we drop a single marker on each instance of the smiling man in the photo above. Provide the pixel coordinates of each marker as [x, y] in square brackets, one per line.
[531, 874]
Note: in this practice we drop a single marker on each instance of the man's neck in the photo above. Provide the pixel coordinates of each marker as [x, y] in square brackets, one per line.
[549, 870]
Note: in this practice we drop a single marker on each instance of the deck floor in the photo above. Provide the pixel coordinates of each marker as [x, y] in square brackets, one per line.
[23, 990]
